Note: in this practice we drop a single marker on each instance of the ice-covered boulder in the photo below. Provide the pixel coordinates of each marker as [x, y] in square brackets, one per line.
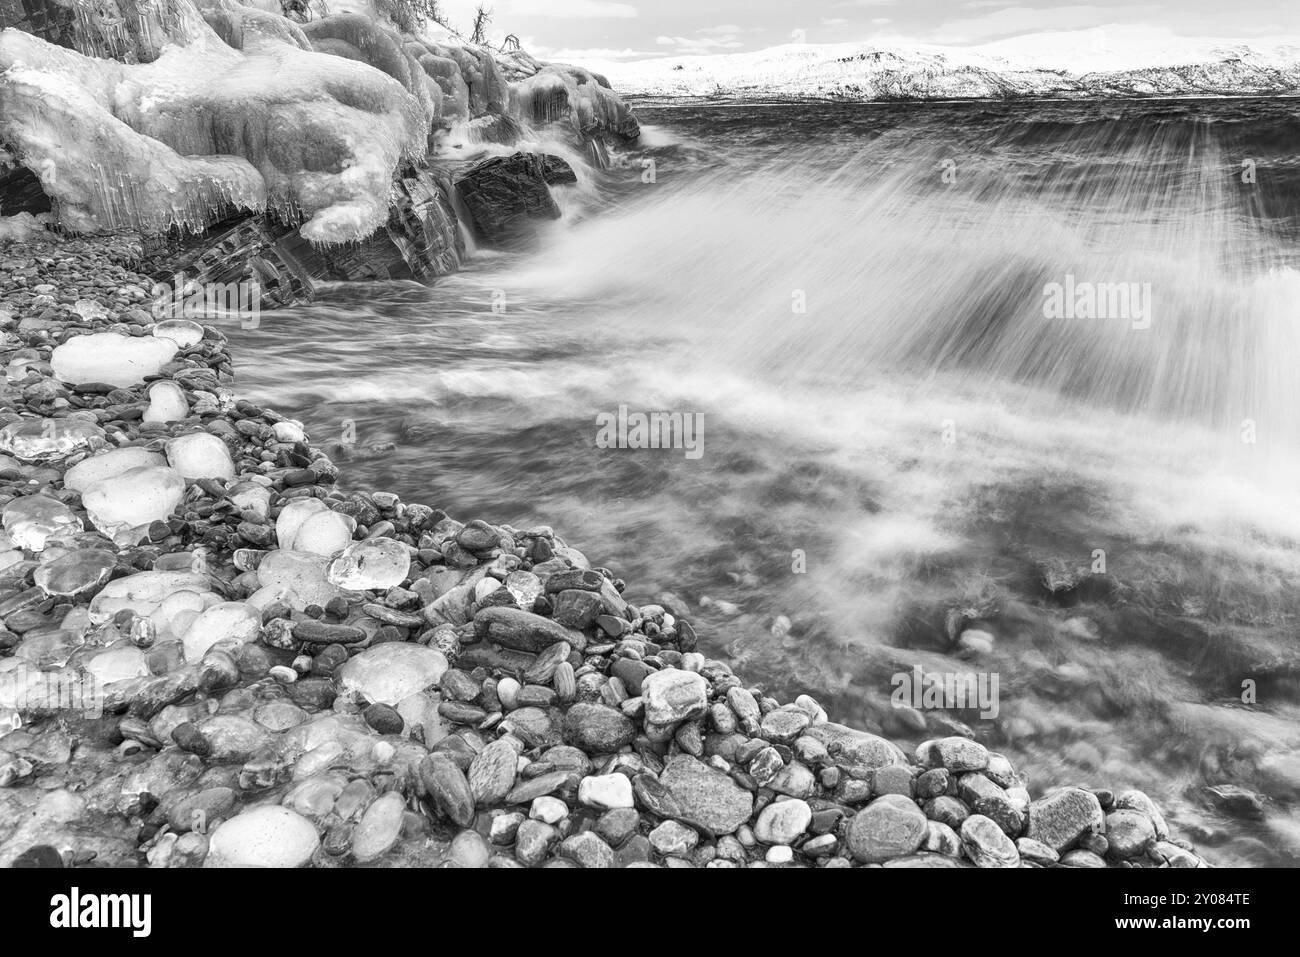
[167, 402]
[33, 520]
[205, 129]
[107, 464]
[227, 621]
[46, 440]
[300, 575]
[142, 593]
[111, 358]
[373, 563]
[391, 672]
[200, 455]
[265, 836]
[123, 506]
[183, 332]
[569, 94]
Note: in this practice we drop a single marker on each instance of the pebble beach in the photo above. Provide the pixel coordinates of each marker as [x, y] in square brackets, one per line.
[216, 652]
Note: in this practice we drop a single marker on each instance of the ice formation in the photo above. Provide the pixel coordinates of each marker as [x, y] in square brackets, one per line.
[200, 455]
[111, 358]
[76, 571]
[167, 402]
[105, 465]
[33, 520]
[45, 440]
[143, 593]
[183, 332]
[207, 128]
[183, 112]
[124, 505]
[579, 97]
[374, 563]
[300, 575]
[227, 621]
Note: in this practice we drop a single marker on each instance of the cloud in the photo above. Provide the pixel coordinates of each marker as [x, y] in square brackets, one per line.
[700, 45]
[569, 55]
[567, 10]
[1017, 20]
[726, 30]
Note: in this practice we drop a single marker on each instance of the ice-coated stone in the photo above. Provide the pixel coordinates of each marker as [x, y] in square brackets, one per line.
[266, 836]
[200, 455]
[78, 571]
[167, 402]
[142, 593]
[105, 465]
[525, 587]
[34, 519]
[288, 431]
[229, 620]
[45, 440]
[293, 515]
[111, 358]
[391, 672]
[120, 663]
[124, 505]
[325, 533]
[89, 310]
[183, 332]
[249, 497]
[374, 563]
[378, 828]
[300, 575]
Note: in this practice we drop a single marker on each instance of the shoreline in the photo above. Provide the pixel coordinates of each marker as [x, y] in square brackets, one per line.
[499, 704]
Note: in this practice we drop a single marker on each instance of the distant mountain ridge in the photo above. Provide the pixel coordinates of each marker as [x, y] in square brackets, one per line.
[1123, 62]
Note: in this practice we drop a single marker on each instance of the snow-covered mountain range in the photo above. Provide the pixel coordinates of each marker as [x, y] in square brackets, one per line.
[1109, 62]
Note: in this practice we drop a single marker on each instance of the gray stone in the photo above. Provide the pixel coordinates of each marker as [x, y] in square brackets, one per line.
[492, 773]
[706, 798]
[1138, 801]
[674, 695]
[1036, 852]
[533, 841]
[960, 755]
[672, 838]
[598, 729]
[890, 826]
[784, 725]
[855, 747]
[1062, 817]
[1129, 833]
[587, 850]
[781, 822]
[986, 844]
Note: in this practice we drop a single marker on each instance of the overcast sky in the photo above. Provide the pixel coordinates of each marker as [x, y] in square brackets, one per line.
[633, 29]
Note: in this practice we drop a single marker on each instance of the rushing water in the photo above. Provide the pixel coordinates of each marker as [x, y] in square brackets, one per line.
[897, 443]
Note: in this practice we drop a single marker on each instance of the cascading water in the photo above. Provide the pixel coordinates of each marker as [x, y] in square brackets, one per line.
[898, 442]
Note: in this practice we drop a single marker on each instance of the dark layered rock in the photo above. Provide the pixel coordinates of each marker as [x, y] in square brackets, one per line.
[20, 189]
[419, 242]
[241, 251]
[506, 196]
